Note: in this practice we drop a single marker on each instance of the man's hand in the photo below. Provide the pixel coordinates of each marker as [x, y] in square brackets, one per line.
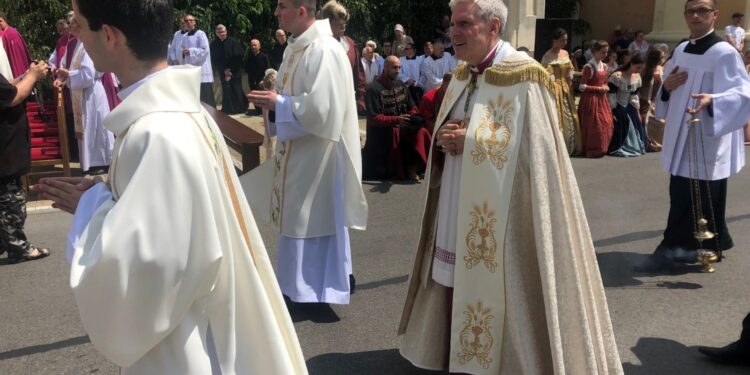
[404, 120]
[675, 79]
[38, 69]
[410, 82]
[451, 137]
[64, 191]
[62, 74]
[185, 52]
[702, 101]
[263, 99]
[58, 84]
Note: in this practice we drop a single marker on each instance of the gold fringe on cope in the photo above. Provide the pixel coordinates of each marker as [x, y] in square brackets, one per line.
[509, 73]
[512, 73]
[462, 73]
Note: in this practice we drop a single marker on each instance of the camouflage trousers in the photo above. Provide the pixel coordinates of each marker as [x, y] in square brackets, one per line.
[12, 217]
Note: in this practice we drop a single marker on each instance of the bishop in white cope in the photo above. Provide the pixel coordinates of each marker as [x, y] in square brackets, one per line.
[317, 170]
[505, 278]
[168, 268]
[706, 75]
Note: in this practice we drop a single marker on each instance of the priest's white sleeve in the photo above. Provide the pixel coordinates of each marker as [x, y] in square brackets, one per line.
[142, 261]
[53, 59]
[321, 108]
[199, 54]
[286, 126]
[84, 76]
[663, 106]
[731, 101]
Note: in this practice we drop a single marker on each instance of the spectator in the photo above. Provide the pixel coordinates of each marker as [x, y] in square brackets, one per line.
[734, 33]
[387, 49]
[410, 73]
[369, 64]
[611, 61]
[226, 59]
[194, 50]
[379, 60]
[431, 102]
[434, 67]
[338, 17]
[15, 47]
[397, 142]
[256, 64]
[624, 56]
[400, 40]
[594, 111]
[277, 53]
[639, 46]
[628, 135]
[15, 153]
[443, 32]
[558, 64]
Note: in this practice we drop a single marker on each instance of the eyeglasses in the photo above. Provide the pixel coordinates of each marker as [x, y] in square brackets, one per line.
[702, 12]
[408, 48]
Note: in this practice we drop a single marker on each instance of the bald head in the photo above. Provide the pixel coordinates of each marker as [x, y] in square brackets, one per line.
[255, 46]
[392, 67]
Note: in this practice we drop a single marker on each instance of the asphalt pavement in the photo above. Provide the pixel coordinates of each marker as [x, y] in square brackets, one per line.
[659, 319]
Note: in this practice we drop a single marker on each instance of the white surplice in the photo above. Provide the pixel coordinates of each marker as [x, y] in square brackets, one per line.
[317, 191]
[410, 69]
[720, 72]
[95, 148]
[171, 275]
[199, 54]
[432, 70]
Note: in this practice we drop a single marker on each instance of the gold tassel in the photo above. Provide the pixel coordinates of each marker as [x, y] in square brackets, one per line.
[512, 73]
[462, 73]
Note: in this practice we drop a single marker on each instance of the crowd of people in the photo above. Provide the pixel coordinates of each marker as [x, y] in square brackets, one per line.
[168, 267]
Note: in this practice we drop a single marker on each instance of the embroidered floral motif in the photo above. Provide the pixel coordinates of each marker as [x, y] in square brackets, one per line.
[476, 338]
[277, 185]
[480, 240]
[492, 136]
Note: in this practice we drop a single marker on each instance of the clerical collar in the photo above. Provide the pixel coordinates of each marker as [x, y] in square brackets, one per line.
[693, 41]
[192, 32]
[183, 32]
[700, 46]
[437, 58]
[479, 69]
[411, 58]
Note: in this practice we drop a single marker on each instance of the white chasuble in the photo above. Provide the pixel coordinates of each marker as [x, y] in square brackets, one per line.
[321, 127]
[718, 71]
[171, 276]
[527, 295]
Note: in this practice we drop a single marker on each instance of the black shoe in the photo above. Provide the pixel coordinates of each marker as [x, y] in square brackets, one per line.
[732, 354]
[352, 284]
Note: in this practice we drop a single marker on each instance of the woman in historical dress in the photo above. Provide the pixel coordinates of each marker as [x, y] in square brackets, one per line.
[594, 111]
[628, 136]
[611, 61]
[651, 78]
[558, 64]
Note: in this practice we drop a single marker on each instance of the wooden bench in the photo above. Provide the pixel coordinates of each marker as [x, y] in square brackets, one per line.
[239, 137]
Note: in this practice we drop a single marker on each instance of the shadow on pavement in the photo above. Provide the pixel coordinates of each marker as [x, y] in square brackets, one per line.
[630, 237]
[619, 270]
[36, 349]
[386, 185]
[377, 362]
[662, 356]
[314, 312]
[378, 284]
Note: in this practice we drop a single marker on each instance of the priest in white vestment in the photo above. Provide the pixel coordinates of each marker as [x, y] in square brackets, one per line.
[707, 75]
[90, 107]
[505, 278]
[168, 268]
[317, 191]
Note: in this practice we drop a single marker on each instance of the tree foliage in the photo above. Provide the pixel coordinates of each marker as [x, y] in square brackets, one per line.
[245, 19]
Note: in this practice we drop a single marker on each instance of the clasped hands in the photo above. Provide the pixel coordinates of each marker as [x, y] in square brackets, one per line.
[450, 138]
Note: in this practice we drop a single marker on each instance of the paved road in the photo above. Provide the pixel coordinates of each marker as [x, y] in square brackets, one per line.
[658, 319]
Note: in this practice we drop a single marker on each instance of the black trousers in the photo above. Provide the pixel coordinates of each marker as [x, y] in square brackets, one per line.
[207, 94]
[681, 221]
[745, 336]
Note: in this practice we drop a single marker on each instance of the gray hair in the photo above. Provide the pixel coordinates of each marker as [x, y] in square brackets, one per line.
[487, 9]
[332, 10]
[220, 27]
[371, 43]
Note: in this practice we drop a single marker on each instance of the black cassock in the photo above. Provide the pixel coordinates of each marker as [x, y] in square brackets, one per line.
[227, 54]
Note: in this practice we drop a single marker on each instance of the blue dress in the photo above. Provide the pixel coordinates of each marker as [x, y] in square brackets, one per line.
[628, 136]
